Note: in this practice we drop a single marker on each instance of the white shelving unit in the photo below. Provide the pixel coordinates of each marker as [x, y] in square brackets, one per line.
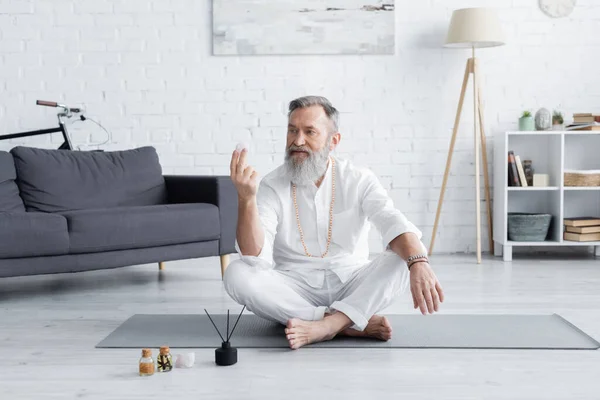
[551, 152]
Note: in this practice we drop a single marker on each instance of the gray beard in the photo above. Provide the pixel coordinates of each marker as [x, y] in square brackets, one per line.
[309, 170]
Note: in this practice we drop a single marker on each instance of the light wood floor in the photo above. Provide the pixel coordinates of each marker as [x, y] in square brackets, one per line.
[50, 324]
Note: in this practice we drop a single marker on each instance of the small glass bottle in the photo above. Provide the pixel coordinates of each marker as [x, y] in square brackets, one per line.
[146, 363]
[164, 361]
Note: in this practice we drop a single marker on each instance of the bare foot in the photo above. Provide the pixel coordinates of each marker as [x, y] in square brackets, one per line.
[300, 333]
[378, 327]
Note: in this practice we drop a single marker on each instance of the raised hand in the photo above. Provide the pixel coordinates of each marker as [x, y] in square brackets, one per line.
[244, 177]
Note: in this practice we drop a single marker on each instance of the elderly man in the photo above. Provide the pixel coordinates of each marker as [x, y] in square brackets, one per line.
[302, 236]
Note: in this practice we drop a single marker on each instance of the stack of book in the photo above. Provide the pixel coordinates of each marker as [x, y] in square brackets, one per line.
[584, 122]
[517, 176]
[582, 229]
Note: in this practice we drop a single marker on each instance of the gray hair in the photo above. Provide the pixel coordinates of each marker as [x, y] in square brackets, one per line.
[308, 101]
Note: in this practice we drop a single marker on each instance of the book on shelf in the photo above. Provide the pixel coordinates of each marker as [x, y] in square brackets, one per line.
[583, 229]
[592, 126]
[522, 177]
[579, 118]
[582, 237]
[583, 120]
[582, 221]
[512, 170]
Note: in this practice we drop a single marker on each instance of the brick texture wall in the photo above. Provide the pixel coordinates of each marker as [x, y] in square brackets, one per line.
[144, 69]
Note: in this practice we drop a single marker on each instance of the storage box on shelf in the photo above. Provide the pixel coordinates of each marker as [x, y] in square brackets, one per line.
[552, 153]
[587, 178]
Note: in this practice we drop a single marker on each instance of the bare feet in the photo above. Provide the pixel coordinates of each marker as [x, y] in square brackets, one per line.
[300, 333]
[378, 328]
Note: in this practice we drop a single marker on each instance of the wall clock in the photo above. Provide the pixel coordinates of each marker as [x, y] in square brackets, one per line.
[557, 8]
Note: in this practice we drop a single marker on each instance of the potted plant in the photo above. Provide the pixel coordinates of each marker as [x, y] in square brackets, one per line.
[526, 122]
[557, 121]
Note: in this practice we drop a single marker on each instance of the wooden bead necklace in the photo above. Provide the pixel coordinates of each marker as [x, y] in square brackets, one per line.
[330, 213]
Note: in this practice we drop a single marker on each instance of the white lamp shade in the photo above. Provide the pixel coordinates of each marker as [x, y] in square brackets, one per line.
[474, 27]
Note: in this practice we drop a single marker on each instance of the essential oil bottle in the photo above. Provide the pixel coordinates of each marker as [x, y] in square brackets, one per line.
[146, 363]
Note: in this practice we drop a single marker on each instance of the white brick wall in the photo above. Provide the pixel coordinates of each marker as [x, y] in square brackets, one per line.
[145, 70]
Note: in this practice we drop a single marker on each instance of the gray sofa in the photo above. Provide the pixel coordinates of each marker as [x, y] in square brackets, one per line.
[70, 211]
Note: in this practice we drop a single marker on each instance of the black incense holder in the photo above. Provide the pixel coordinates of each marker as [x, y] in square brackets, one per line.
[226, 355]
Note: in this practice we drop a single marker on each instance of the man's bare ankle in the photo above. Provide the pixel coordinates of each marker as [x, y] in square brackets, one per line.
[338, 322]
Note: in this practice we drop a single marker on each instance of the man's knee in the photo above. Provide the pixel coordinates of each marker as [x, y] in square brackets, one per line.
[242, 281]
[391, 268]
[388, 258]
[234, 276]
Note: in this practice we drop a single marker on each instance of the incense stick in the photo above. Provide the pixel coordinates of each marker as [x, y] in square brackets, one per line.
[214, 324]
[228, 324]
[236, 322]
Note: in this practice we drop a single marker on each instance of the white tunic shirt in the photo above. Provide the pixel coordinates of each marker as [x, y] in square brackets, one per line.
[359, 198]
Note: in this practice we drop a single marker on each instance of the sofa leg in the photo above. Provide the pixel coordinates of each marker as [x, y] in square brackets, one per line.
[224, 263]
[161, 266]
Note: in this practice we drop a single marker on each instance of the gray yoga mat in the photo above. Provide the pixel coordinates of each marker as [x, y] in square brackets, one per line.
[409, 331]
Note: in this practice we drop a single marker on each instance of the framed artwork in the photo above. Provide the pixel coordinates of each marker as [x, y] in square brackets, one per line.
[258, 27]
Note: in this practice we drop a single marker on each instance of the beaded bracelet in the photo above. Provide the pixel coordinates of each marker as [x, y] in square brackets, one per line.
[417, 260]
[415, 257]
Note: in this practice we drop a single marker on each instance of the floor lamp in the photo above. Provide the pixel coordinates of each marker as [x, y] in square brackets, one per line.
[472, 28]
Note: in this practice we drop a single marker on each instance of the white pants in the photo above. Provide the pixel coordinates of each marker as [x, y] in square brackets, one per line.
[280, 295]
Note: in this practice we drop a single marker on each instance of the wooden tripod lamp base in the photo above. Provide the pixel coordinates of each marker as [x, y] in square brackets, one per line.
[471, 28]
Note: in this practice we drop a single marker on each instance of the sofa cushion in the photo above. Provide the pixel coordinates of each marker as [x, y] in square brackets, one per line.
[121, 228]
[64, 180]
[9, 192]
[32, 234]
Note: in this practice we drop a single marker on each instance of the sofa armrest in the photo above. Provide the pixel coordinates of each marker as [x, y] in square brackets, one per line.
[217, 190]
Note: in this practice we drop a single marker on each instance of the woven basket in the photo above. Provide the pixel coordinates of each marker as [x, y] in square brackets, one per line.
[582, 178]
[524, 227]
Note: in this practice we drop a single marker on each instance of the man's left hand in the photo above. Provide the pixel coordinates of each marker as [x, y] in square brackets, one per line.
[426, 290]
